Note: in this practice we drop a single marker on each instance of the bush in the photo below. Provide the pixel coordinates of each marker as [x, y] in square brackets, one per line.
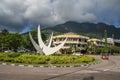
[2, 56]
[42, 59]
[25, 58]
[13, 55]
[86, 59]
[5, 57]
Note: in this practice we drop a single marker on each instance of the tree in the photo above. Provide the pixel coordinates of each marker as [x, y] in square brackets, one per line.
[72, 49]
[10, 40]
[115, 50]
[91, 47]
[3, 35]
[26, 40]
[14, 41]
[5, 32]
[105, 49]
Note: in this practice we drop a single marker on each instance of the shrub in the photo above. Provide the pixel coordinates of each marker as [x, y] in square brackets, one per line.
[2, 56]
[13, 55]
[86, 59]
[25, 58]
[42, 59]
[5, 57]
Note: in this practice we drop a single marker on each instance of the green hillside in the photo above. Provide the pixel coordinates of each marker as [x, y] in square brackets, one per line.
[87, 29]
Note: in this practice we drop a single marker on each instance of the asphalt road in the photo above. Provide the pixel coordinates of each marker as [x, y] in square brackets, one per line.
[106, 70]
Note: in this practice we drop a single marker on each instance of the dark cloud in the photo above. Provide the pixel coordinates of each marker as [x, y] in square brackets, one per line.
[16, 14]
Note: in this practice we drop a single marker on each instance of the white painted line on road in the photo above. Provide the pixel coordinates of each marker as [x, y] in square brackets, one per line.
[4, 64]
[21, 65]
[12, 64]
[88, 71]
[53, 74]
[30, 66]
[82, 65]
[41, 66]
[54, 66]
[106, 69]
[71, 66]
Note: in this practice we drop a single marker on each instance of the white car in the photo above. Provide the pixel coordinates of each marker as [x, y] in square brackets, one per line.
[77, 54]
[21, 51]
[8, 51]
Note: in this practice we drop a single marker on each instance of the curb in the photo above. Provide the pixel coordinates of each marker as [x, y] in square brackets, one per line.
[21, 65]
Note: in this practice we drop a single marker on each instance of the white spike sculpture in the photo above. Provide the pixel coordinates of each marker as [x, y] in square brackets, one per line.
[46, 49]
[49, 40]
[36, 46]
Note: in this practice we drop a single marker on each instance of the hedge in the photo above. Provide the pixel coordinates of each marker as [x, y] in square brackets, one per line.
[42, 59]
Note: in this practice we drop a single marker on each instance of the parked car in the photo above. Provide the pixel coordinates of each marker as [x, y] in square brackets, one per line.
[105, 56]
[23, 50]
[78, 54]
[8, 51]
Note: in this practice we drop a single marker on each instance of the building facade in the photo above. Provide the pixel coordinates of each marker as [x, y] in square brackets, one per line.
[100, 43]
[78, 41]
[117, 42]
[97, 42]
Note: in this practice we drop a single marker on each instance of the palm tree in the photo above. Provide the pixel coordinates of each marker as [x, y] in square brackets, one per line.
[91, 47]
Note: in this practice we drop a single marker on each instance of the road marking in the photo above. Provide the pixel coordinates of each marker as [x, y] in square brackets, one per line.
[53, 74]
[41, 66]
[21, 65]
[88, 71]
[12, 64]
[4, 64]
[30, 66]
[106, 69]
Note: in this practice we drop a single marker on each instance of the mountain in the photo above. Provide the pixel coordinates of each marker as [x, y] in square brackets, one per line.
[87, 29]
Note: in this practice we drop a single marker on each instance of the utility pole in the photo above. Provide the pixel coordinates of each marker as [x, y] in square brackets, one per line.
[105, 55]
[106, 45]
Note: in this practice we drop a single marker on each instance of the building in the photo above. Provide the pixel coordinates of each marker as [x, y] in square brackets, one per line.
[110, 40]
[97, 42]
[115, 42]
[100, 43]
[78, 41]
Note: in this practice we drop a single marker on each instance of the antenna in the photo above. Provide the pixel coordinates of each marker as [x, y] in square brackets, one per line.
[113, 36]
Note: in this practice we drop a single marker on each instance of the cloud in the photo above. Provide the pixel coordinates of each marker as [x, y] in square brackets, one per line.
[16, 14]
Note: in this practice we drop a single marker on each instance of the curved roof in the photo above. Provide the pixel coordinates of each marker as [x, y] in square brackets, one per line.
[70, 35]
[93, 39]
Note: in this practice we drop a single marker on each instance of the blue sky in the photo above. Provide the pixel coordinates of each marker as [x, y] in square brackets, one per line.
[19, 15]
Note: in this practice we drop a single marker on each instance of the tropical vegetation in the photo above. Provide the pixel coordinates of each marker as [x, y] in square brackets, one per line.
[27, 58]
[15, 41]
